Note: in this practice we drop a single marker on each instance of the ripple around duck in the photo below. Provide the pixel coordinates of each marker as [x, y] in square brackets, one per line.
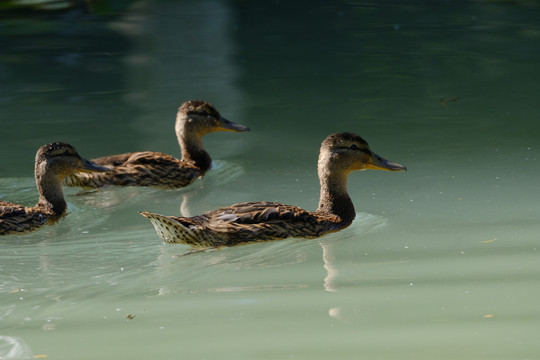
[183, 273]
[79, 219]
[222, 172]
[277, 252]
[363, 224]
[117, 197]
[268, 252]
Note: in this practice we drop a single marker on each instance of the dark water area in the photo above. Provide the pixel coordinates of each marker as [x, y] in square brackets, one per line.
[441, 261]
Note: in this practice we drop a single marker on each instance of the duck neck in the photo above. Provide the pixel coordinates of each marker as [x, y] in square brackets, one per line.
[334, 199]
[191, 146]
[51, 197]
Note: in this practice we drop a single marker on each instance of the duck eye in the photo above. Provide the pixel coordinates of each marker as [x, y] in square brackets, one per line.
[354, 147]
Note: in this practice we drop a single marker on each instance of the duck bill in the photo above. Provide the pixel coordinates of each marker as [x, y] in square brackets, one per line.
[377, 162]
[89, 166]
[227, 125]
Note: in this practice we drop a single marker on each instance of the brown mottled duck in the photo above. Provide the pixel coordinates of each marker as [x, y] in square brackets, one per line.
[195, 119]
[53, 163]
[340, 154]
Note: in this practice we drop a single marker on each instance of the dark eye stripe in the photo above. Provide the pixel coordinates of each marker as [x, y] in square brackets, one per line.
[65, 152]
[357, 148]
[365, 151]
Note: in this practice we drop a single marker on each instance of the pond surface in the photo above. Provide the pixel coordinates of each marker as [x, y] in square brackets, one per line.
[442, 261]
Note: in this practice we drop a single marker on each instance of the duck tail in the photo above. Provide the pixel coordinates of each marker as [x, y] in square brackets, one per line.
[171, 230]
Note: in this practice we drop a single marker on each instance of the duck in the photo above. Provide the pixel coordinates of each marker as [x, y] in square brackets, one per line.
[195, 118]
[53, 163]
[249, 222]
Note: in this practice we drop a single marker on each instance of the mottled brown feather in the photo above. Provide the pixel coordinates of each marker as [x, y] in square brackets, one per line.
[138, 169]
[250, 222]
[17, 219]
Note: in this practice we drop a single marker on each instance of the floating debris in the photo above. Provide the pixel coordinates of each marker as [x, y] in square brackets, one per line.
[49, 327]
[444, 101]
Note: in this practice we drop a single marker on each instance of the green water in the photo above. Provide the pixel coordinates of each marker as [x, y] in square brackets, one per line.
[441, 261]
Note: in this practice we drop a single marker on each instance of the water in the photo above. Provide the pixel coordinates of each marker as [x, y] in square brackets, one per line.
[441, 261]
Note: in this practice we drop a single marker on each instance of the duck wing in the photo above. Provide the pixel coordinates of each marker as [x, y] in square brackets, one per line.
[260, 221]
[138, 169]
[16, 218]
[139, 158]
[113, 160]
[259, 212]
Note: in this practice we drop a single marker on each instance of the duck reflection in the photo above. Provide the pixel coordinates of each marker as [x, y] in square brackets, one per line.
[331, 270]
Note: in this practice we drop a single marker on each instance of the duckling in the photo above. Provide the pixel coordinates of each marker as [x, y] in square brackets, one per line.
[195, 118]
[54, 162]
[340, 154]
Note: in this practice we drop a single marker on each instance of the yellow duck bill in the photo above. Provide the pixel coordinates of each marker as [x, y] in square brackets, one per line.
[89, 166]
[379, 163]
[228, 125]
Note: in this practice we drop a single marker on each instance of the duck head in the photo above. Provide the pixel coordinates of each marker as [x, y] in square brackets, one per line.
[346, 152]
[60, 160]
[198, 118]
[54, 162]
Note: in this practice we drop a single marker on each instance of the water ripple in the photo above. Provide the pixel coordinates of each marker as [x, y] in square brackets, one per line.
[12, 347]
